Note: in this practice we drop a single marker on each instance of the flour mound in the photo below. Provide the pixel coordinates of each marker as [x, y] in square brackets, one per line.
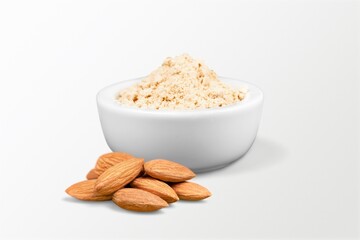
[181, 83]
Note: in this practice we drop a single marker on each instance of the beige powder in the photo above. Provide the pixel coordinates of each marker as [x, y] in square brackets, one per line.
[181, 83]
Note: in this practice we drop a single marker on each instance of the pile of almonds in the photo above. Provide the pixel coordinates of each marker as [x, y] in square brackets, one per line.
[134, 185]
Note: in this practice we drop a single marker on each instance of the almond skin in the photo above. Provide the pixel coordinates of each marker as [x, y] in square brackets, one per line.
[85, 190]
[190, 191]
[138, 200]
[156, 187]
[110, 159]
[92, 175]
[168, 171]
[118, 176]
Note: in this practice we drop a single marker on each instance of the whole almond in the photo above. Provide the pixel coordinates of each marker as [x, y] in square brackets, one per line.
[118, 176]
[138, 200]
[168, 171]
[92, 174]
[85, 190]
[110, 159]
[156, 187]
[190, 191]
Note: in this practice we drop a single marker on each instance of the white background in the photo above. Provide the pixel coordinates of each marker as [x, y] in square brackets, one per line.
[300, 179]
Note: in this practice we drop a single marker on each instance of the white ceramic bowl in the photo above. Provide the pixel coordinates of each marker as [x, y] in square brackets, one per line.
[202, 140]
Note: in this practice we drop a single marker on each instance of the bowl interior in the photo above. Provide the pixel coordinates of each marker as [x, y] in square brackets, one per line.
[107, 97]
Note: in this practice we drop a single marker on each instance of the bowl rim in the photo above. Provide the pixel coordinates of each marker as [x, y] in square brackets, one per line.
[102, 99]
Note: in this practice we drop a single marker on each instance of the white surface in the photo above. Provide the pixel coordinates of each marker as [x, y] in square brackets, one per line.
[220, 136]
[300, 179]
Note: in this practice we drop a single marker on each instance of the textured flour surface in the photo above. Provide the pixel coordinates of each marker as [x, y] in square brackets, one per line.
[181, 83]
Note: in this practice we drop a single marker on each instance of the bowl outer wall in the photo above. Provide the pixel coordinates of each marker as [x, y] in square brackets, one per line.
[201, 139]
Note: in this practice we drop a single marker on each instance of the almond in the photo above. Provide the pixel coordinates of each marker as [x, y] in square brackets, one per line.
[156, 187]
[110, 159]
[190, 191]
[92, 174]
[85, 190]
[138, 200]
[168, 171]
[118, 176]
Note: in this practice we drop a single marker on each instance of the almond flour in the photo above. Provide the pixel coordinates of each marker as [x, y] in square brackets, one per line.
[181, 83]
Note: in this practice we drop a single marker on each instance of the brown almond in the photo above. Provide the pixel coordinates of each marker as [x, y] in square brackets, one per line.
[190, 191]
[138, 200]
[110, 159]
[168, 171]
[92, 174]
[156, 187]
[118, 176]
[85, 190]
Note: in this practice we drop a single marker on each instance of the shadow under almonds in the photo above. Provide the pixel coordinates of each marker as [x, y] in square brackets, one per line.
[263, 154]
[114, 207]
[110, 205]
